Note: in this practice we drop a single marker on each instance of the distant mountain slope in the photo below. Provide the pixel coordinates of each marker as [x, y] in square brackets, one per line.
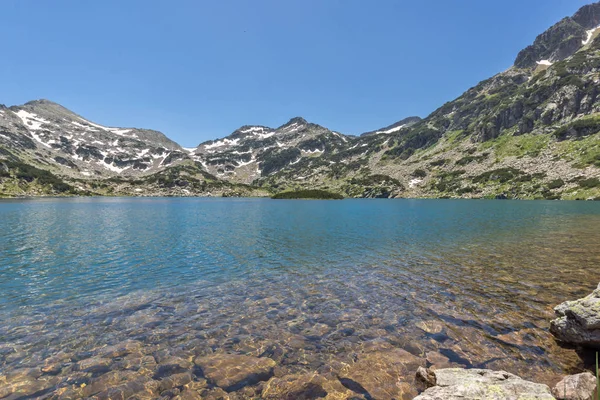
[531, 131]
[252, 152]
[50, 134]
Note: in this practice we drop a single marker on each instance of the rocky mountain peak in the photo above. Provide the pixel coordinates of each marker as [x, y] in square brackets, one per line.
[295, 120]
[557, 43]
[562, 39]
[249, 131]
[45, 105]
[40, 102]
[588, 16]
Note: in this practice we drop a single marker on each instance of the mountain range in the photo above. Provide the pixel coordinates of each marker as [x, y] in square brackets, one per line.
[530, 132]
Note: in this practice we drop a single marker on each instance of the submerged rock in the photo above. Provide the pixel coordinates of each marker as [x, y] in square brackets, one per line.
[142, 387]
[232, 372]
[471, 384]
[305, 386]
[576, 387]
[578, 321]
[382, 374]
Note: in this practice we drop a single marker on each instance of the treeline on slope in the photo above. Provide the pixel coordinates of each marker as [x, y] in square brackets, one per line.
[512, 182]
[30, 174]
[308, 194]
[183, 176]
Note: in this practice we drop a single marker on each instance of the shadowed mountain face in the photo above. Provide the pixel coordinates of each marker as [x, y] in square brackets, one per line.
[528, 132]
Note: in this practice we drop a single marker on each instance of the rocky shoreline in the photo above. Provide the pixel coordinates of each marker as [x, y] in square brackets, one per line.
[138, 369]
[577, 323]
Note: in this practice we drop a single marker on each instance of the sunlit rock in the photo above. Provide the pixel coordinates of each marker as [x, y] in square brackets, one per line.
[461, 384]
[578, 321]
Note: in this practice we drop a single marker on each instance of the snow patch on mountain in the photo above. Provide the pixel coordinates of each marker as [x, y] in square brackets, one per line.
[589, 35]
[222, 142]
[312, 151]
[120, 132]
[293, 127]
[116, 131]
[113, 167]
[254, 129]
[264, 135]
[414, 182]
[544, 62]
[397, 128]
[243, 164]
[341, 136]
[31, 121]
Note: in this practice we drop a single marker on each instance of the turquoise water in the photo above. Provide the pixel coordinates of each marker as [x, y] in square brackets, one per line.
[472, 280]
[77, 249]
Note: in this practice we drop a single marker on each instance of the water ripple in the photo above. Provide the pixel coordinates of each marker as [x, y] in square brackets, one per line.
[473, 282]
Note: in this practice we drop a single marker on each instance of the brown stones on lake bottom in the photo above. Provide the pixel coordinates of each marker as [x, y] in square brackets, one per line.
[232, 371]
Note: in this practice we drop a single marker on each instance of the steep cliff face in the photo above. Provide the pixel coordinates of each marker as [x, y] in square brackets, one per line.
[562, 39]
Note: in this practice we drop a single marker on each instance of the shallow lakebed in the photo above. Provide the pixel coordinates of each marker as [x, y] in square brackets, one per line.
[95, 293]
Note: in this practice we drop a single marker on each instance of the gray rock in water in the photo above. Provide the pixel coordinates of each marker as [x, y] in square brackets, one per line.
[472, 384]
[576, 387]
[578, 321]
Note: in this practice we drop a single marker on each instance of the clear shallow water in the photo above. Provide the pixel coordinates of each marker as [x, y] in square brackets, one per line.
[456, 282]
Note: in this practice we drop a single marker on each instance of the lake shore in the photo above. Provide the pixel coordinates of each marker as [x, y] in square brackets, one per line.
[109, 297]
[197, 345]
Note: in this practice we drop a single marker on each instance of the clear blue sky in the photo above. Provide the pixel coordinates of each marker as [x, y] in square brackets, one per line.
[197, 70]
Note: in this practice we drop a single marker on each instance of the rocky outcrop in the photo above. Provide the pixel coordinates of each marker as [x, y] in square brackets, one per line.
[578, 321]
[576, 387]
[457, 383]
[588, 16]
[560, 41]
